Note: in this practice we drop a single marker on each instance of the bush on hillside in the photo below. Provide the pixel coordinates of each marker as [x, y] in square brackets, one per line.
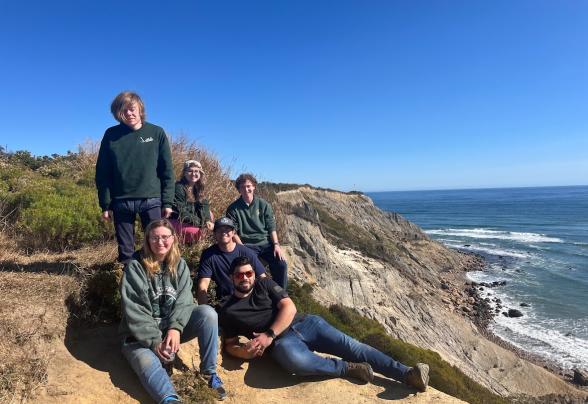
[65, 217]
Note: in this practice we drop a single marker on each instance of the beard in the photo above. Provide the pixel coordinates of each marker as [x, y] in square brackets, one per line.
[244, 287]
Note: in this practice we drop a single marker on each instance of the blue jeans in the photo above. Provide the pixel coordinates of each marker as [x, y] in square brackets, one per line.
[294, 351]
[277, 267]
[202, 324]
[125, 211]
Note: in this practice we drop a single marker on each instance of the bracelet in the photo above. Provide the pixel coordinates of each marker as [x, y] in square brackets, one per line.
[276, 243]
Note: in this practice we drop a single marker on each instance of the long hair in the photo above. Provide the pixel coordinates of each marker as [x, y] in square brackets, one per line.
[124, 99]
[198, 188]
[173, 255]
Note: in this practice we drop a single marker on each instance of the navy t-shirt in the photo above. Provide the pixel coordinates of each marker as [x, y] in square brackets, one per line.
[254, 313]
[216, 264]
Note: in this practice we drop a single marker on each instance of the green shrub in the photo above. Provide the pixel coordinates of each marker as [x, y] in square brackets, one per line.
[68, 216]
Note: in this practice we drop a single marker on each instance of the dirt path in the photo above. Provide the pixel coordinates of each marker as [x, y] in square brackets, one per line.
[90, 369]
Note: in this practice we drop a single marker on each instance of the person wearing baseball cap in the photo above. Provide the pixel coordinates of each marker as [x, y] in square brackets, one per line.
[215, 261]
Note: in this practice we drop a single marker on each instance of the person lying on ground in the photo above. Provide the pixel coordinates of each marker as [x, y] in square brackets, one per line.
[158, 314]
[215, 261]
[256, 227]
[191, 214]
[261, 310]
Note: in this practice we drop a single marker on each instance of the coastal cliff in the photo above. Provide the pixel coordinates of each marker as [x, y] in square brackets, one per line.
[386, 268]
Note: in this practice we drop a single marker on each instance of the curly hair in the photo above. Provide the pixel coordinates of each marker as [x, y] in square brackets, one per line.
[241, 179]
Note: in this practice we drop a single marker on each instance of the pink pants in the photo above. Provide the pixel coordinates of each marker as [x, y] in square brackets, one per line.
[188, 233]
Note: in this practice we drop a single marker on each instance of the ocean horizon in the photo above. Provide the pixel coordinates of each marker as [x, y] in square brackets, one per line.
[535, 239]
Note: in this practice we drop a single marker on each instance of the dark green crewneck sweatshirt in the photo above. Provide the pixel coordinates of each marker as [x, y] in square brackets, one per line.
[134, 164]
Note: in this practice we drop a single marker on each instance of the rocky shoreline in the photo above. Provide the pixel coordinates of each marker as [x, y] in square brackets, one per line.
[465, 297]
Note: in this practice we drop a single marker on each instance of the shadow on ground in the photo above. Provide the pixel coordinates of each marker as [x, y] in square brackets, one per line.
[264, 373]
[99, 348]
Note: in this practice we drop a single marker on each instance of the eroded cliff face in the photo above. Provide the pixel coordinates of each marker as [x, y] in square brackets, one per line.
[388, 269]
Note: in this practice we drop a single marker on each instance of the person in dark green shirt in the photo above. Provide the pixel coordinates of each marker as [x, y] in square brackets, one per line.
[256, 228]
[191, 211]
[134, 173]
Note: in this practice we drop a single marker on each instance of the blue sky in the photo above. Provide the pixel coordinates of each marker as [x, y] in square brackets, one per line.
[379, 95]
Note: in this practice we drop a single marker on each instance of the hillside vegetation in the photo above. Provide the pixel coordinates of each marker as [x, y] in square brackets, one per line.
[49, 210]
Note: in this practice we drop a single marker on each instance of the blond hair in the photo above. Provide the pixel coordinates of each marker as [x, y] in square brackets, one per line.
[172, 258]
[124, 99]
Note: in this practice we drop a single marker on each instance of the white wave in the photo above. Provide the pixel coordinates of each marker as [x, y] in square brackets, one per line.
[496, 234]
[557, 340]
[546, 338]
[491, 251]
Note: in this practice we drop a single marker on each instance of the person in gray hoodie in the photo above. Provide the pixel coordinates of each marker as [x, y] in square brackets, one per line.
[159, 313]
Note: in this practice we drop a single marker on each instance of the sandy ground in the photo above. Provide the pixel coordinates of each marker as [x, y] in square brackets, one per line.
[89, 368]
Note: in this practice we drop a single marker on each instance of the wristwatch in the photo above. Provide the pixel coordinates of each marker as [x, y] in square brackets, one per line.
[270, 333]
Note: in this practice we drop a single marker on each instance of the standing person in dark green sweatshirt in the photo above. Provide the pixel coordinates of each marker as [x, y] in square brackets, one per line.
[256, 228]
[134, 173]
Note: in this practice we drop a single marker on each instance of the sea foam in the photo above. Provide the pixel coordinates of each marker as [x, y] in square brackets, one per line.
[491, 251]
[496, 234]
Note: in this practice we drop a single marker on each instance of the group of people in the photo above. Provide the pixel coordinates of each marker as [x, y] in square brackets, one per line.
[134, 176]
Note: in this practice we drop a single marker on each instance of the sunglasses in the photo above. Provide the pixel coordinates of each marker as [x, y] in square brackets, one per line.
[242, 275]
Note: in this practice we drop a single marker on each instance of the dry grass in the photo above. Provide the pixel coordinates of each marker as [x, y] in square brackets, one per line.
[32, 316]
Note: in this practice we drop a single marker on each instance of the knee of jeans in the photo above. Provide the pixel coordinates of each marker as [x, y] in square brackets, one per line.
[142, 361]
[290, 357]
[209, 315]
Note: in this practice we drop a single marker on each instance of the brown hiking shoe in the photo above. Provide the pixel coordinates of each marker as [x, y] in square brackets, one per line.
[418, 377]
[362, 371]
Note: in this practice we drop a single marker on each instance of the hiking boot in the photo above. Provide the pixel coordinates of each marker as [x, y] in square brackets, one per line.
[418, 377]
[362, 371]
[214, 382]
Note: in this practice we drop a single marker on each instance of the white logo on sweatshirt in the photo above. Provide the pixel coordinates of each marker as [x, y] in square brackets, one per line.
[149, 139]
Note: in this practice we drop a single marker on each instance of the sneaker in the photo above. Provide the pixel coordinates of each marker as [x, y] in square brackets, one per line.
[418, 377]
[171, 400]
[362, 371]
[215, 383]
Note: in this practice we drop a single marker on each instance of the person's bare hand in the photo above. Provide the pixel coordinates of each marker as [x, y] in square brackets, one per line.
[278, 252]
[171, 342]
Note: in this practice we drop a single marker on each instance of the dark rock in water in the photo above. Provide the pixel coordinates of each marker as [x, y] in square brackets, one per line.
[505, 314]
[514, 313]
[497, 283]
[525, 305]
[467, 245]
[569, 334]
[581, 377]
[481, 288]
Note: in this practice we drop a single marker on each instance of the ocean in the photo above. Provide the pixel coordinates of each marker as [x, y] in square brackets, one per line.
[535, 239]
